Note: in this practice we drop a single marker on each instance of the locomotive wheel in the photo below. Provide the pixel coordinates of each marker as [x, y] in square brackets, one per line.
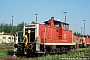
[63, 48]
[46, 53]
[20, 50]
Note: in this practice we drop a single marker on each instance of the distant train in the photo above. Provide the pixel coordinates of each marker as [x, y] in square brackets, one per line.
[51, 37]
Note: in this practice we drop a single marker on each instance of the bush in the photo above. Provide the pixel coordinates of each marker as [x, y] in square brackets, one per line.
[87, 52]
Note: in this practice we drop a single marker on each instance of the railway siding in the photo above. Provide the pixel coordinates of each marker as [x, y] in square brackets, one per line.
[81, 54]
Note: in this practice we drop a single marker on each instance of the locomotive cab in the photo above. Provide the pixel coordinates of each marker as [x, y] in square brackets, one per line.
[26, 40]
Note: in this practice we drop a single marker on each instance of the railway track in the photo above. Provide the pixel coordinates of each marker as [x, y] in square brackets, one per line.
[80, 49]
[36, 57]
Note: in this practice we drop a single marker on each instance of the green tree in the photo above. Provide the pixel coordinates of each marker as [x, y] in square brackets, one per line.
[77, 34]
[74, 33]
[5, 27]
[20, 26]
[8, 28]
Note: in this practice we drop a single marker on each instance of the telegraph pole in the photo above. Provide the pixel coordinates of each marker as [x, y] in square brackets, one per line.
[36, 17]
[81, 32]
[84, 27]
[12, 27]
[65, 16]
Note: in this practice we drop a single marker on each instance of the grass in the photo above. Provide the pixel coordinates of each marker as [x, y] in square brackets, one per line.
[3, 53]
[6, 51]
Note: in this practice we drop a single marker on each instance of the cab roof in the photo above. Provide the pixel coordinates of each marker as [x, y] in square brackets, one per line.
[55, 21]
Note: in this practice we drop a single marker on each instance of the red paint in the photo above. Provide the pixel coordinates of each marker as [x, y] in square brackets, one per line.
[52, 34]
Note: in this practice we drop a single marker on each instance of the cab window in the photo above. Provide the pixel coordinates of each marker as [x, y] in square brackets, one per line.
[9, 37]
[65, 26]
[4, 37]
[57, 25]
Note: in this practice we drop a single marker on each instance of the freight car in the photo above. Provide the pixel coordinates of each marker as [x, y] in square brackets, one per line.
[51, 37]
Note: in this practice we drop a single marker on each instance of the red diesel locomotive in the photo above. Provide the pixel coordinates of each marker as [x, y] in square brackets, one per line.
[51, 37]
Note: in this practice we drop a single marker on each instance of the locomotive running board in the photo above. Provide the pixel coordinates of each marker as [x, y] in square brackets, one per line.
[59, 43]
[39, 52]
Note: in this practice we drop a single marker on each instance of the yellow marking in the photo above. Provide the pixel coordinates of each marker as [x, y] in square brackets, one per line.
[25, 36]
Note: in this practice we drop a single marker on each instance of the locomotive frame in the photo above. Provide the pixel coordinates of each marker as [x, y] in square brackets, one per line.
[51, 37]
